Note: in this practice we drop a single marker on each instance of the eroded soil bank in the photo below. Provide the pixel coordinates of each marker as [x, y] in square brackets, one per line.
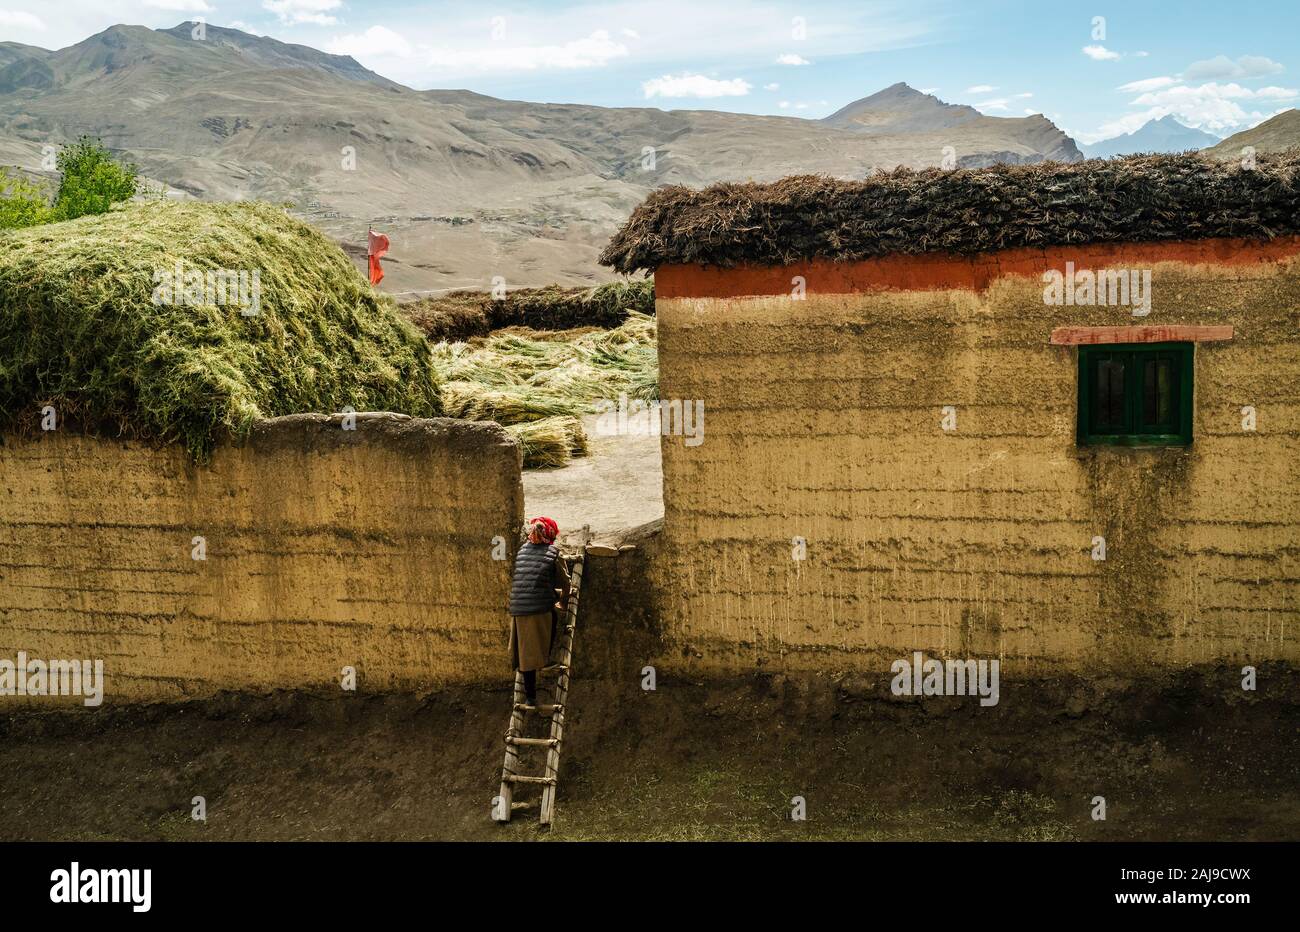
[1192, 758]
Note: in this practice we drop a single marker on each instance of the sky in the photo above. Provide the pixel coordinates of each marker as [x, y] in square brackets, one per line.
[1095, 69]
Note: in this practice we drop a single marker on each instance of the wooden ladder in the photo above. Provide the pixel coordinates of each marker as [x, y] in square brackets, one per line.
[555, 709]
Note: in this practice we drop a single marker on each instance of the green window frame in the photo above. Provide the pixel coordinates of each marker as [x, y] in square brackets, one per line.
[1136, 394]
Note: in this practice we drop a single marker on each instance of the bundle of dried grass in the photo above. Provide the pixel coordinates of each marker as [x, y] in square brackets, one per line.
[539, 383]
[550, 442]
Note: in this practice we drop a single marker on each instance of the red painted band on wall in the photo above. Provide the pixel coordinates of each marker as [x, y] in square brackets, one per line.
[941, 271]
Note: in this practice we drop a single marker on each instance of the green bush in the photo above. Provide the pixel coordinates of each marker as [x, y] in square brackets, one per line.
[91, 182]
[22, 203]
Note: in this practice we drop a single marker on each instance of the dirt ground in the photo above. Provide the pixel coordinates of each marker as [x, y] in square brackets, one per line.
[619, 485]
[1195, 759]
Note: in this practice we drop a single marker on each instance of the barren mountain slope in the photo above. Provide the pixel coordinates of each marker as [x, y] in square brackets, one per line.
[1273, 135]
[467, 186]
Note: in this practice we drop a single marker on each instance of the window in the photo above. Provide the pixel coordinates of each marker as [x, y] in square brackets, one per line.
[1135, 394]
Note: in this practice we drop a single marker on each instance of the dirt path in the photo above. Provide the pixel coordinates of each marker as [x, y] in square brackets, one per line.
[618, 486]
[1197, 759]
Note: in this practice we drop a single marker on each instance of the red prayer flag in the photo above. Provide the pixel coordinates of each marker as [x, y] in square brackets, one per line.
[378, 247]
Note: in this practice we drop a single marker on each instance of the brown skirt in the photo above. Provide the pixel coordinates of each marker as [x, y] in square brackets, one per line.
[530, 641]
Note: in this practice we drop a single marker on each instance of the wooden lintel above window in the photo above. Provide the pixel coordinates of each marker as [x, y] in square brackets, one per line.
[1176, 333]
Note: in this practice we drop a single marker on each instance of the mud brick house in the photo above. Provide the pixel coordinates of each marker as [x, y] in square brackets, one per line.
[1048, 413]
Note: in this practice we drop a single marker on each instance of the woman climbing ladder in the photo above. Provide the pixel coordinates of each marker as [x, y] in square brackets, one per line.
[540, 577]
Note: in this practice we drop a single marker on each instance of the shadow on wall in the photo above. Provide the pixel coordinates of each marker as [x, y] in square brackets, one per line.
[619, 630]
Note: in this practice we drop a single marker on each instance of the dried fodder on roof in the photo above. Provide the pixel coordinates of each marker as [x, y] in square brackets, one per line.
[962, 211]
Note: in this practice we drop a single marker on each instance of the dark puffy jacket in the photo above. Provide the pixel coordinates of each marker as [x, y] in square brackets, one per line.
[536, 578]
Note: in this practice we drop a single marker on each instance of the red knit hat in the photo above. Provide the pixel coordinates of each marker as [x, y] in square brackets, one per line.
[547, 529]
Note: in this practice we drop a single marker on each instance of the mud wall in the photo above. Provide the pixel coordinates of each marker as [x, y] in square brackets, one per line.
[619, 628]
[325, 548]
[824, 422]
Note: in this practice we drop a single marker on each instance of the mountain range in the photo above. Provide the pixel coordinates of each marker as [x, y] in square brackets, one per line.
[1163, 135]
[468, 187]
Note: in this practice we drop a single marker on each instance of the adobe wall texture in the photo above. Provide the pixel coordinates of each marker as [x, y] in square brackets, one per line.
[325, 548]
[823, 421]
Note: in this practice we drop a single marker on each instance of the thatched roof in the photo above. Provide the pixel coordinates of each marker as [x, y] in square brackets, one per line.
[962, 211]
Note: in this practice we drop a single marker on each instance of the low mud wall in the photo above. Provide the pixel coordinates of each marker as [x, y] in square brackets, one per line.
[305, 550]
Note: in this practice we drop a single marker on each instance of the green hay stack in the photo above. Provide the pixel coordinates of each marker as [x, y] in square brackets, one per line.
[80, 329]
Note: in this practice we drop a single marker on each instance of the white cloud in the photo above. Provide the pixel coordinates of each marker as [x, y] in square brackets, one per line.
[1147, 84]
[1221, 66]
[772, 87]
[1100, 53]
[292, 12]
[929, 90]
[802, 105]
[1141, 54]
[374, 42]
[1029, 111]
[694, 85]
[1109, 130]
[17, 19]
[594, 51]
[789, 58]
[998, 104]
[1024, 96]
[1276, 93]
[1185, 94]
[980, 89]
[1216, 108]
[182, 6]
[1258, 65]
[753, 35]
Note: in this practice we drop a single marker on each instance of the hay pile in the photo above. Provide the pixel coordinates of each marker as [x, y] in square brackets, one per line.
[1150, 197]
[539, 385]
[550, 442]
[79, 329]
[460, 315]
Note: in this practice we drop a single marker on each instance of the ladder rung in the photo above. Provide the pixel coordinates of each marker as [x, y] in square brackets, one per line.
[543, 709]
[533, 742]
[557, 692]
